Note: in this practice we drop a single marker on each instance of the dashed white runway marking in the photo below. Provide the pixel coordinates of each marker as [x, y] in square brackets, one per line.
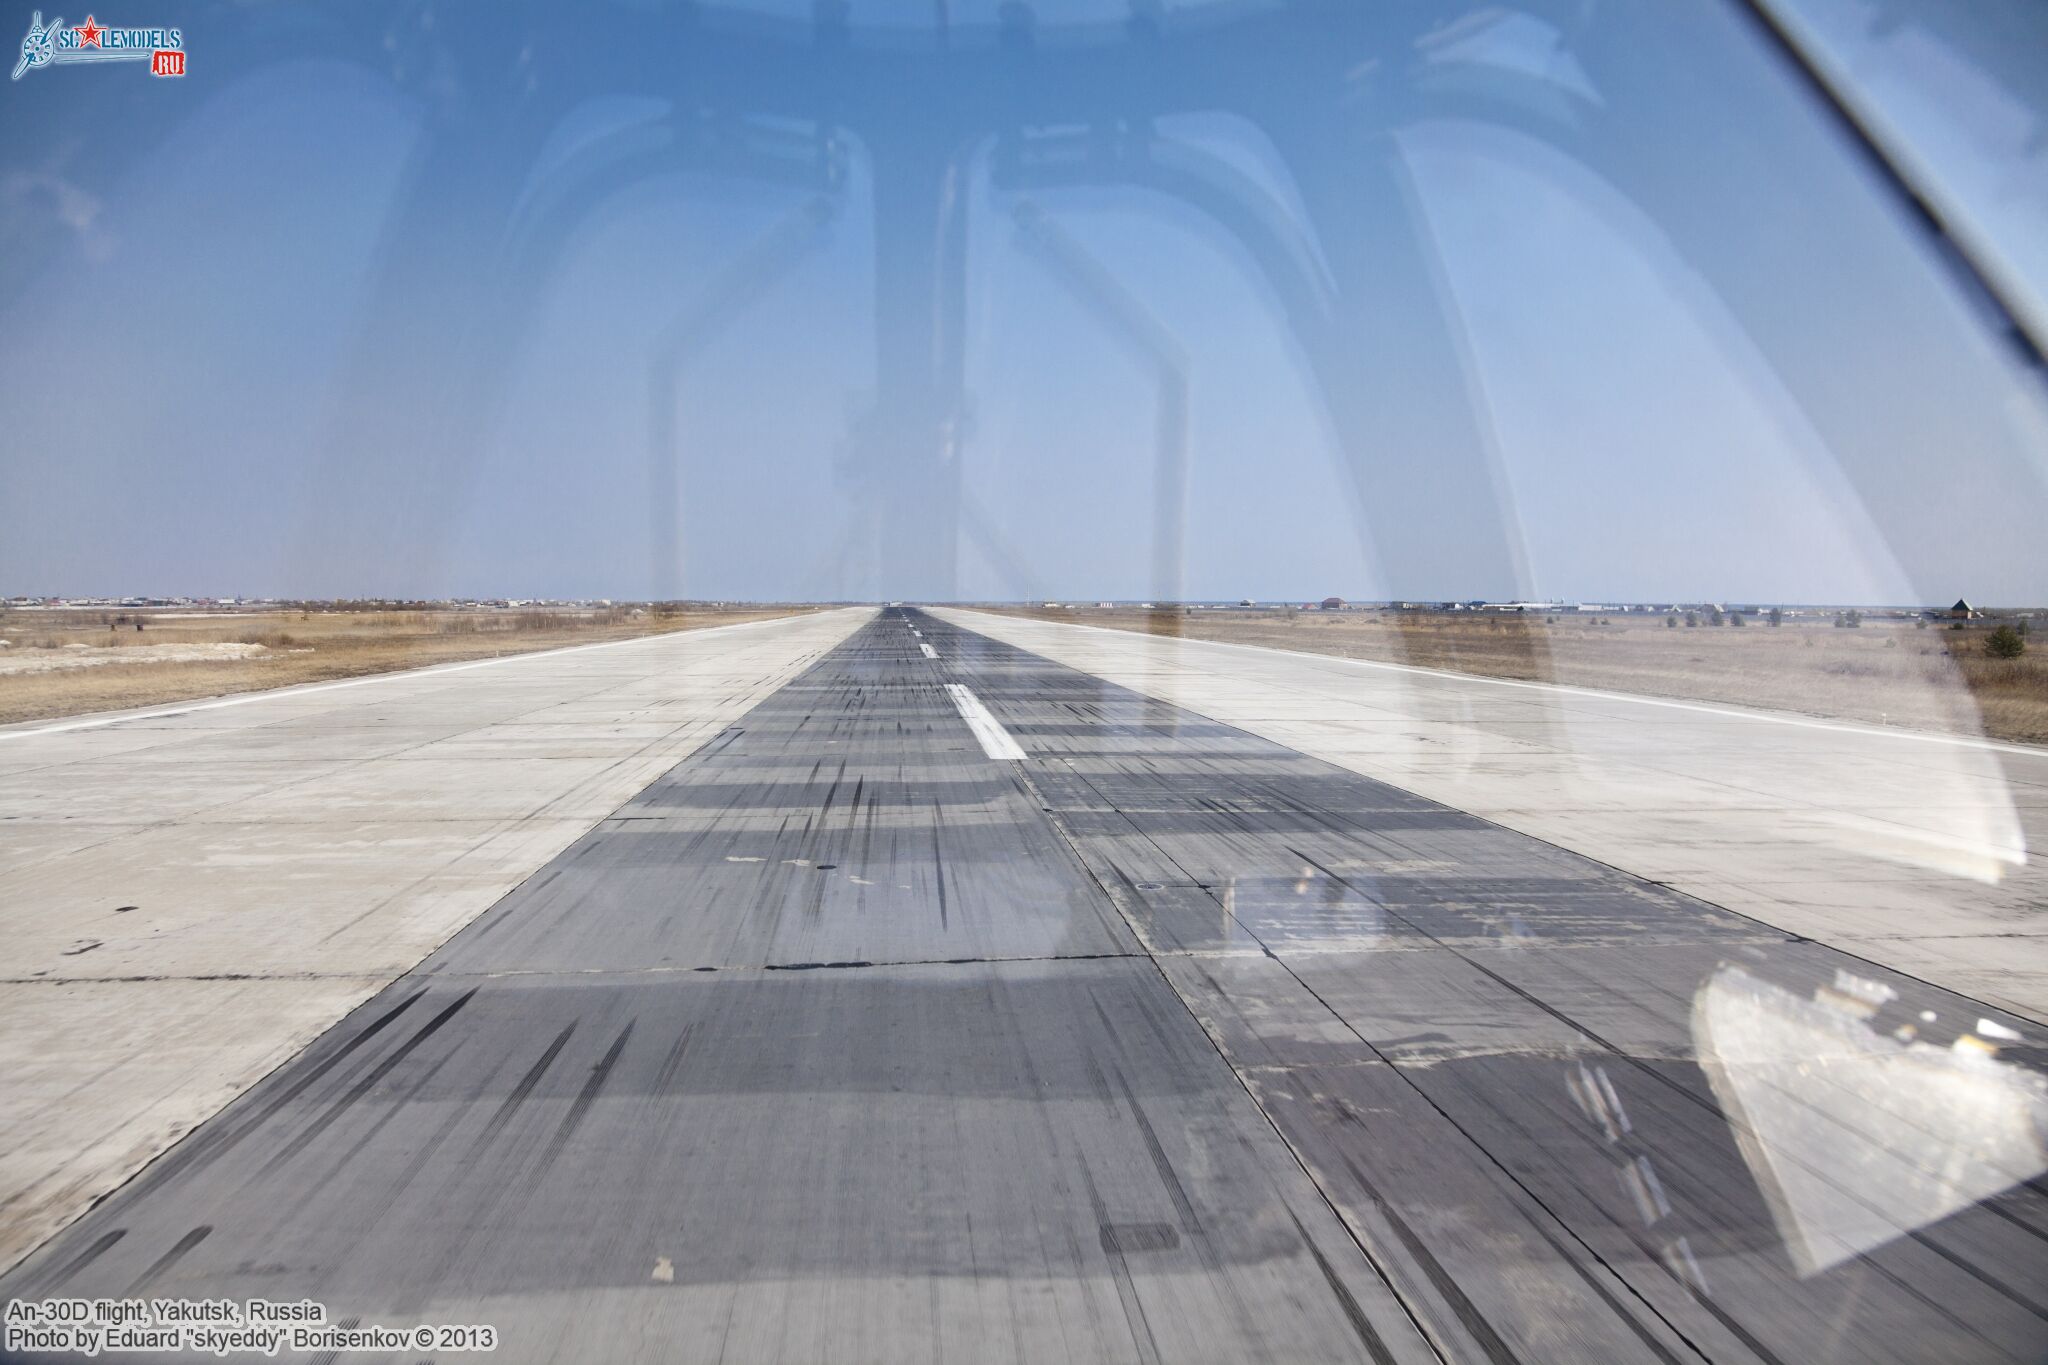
[995, 740]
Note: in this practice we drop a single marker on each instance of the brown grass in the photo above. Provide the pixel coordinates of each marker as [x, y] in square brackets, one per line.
[1887, 671]
[313, 644]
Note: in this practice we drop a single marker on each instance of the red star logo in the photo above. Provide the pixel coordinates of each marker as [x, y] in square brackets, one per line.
[89, 33]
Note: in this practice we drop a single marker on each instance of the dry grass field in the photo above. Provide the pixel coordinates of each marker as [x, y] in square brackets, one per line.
[1886, 670]
[67, 662]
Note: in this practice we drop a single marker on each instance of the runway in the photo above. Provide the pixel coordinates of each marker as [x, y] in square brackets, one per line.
[191, 894]
[954, 1003]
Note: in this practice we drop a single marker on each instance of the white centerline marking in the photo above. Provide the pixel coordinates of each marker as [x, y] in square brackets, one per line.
[995, 740]
[929, 652]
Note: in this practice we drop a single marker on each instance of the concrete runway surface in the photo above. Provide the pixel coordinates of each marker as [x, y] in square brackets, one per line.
[856, 1037]
[1902, 847]
[191, 894]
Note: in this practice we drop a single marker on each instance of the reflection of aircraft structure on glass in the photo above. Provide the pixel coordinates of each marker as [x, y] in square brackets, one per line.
[1123, 994]
[1041, 107]
[1858, 1137]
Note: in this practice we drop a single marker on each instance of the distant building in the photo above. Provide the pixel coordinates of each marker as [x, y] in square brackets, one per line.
[1963, 611]
[1333, 604]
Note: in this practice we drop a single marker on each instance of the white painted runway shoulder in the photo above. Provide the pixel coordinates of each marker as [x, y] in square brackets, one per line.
[1907, 848]
[190, 894]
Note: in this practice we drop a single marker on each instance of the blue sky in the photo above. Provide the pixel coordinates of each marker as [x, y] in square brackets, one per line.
[1785, 399]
